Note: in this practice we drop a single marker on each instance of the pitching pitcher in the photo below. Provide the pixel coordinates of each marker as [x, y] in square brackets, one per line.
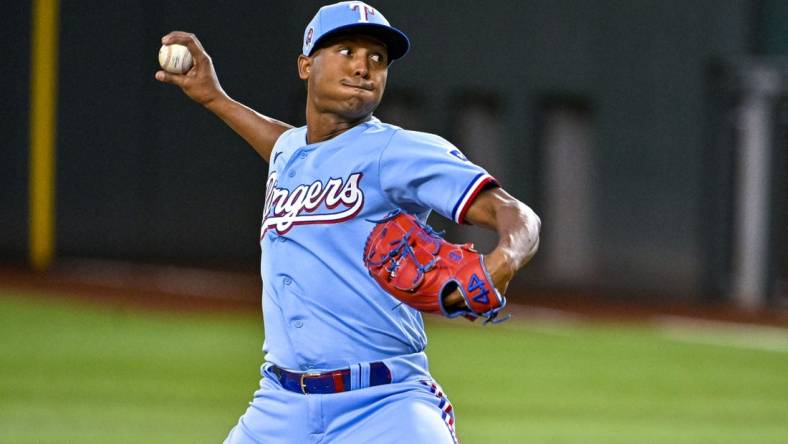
[348, 262]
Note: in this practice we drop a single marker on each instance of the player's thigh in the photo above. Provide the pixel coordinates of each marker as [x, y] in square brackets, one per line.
[412, 413]
[273, 416]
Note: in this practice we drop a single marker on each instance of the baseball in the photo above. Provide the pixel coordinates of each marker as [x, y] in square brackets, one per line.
[175, 58]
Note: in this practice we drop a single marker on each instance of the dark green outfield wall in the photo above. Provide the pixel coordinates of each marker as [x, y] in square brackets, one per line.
[145, 174]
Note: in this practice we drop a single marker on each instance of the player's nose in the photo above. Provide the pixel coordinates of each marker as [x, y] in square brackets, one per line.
[360, 66]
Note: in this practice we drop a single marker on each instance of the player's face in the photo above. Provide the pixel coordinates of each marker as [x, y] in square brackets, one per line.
[347, 76]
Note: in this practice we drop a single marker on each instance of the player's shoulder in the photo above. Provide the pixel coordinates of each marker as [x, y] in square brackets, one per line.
[418, 146]
[290, 139]
[419, 138]
[287, 143]
[376, 129]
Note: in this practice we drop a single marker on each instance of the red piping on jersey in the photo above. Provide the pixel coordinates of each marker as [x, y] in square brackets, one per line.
[479, 187]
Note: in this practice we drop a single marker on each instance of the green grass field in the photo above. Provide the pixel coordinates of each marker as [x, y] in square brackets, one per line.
[79, 373]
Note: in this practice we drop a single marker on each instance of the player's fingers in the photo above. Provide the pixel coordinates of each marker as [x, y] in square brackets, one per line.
[166, 77]
[188, 40]
[454, 301]
[181, 37]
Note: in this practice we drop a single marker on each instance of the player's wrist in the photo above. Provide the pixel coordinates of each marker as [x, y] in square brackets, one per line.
[502, 265]
[219, 103]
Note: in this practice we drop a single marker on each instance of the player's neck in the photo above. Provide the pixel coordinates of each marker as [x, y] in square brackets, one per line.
[324, 126]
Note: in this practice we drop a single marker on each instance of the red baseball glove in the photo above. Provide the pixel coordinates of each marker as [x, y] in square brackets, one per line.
[416, 265]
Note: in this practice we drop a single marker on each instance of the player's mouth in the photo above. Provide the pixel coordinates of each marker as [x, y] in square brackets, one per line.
[366, 86]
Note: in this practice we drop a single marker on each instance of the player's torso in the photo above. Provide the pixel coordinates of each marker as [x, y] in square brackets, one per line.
[322, 309]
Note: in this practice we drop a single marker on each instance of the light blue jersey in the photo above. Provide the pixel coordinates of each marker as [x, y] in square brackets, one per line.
[321, 308]
[324, 315]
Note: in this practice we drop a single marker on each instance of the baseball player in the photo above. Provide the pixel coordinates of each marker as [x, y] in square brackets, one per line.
[344, 361]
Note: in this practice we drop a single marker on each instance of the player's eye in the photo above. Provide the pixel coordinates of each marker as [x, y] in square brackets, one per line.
[344, 51]
[377, 58]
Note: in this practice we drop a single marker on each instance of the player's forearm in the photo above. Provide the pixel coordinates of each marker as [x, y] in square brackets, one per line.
[518, 233]
[518, 239]
[516, 224]
[259, 131]
[518, 230]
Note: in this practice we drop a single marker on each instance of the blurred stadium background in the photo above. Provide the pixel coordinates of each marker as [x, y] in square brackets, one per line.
[649, 135]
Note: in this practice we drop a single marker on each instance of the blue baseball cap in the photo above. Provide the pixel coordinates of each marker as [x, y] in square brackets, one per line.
[354, 17]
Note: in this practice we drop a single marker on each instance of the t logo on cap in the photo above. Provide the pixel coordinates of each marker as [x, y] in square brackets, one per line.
[364, 10]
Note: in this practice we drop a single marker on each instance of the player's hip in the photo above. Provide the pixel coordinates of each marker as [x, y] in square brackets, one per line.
[416, 411]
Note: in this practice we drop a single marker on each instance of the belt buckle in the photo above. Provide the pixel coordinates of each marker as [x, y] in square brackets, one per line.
[301, 380]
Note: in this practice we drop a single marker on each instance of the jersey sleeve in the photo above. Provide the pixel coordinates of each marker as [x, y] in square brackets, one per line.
[420, 172]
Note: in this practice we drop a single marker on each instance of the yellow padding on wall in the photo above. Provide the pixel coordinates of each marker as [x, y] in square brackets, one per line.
[43, 126]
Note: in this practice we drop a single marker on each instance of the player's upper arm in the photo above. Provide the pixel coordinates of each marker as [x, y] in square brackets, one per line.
[420, 171]
[484, 210]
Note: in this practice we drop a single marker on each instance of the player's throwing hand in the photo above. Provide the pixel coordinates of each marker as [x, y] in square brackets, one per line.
[200, 83]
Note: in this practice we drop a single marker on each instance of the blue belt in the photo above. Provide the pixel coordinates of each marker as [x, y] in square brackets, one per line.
[335, 381]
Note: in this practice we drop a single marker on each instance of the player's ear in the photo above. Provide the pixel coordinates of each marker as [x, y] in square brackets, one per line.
[304, 66]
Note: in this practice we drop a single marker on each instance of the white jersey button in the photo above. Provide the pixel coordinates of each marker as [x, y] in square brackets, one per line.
[298, 323]
[287, 281]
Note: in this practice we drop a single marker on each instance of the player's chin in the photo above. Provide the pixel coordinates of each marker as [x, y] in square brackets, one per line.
[357, 106]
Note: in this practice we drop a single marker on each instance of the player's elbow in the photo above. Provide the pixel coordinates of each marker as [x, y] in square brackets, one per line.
[533, 227]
